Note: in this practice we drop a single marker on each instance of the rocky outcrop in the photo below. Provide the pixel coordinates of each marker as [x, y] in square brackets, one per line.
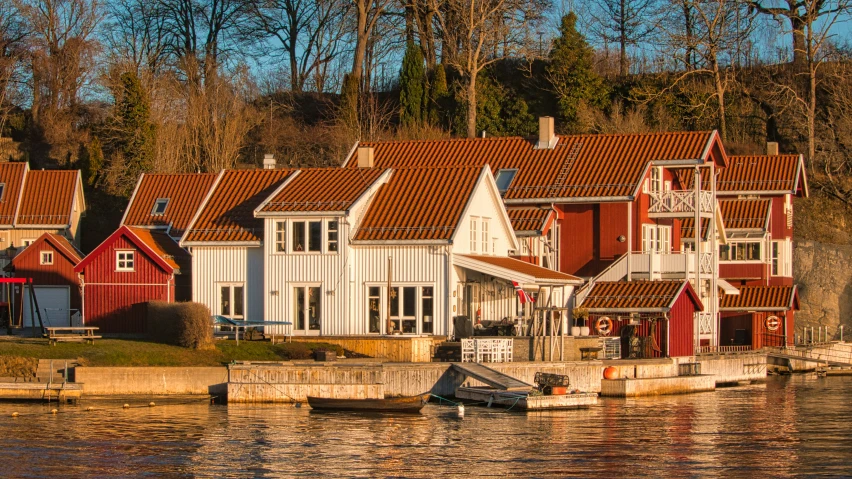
[823, 273]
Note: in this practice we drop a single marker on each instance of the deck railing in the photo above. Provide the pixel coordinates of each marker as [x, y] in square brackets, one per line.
[705, 322]
[680, 202]
[724, 349]
[487, 350]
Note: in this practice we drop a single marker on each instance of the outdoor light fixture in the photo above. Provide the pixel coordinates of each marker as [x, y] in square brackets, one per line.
[621, 239]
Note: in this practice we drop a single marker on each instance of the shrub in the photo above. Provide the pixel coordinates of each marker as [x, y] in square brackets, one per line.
[182, 324]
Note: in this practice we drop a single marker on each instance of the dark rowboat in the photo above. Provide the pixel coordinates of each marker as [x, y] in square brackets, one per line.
[398, 404]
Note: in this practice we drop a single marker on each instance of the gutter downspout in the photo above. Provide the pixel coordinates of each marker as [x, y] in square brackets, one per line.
[629, 237]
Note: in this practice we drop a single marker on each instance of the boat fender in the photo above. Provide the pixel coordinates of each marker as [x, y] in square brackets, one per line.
[461, 410]
[610, 373]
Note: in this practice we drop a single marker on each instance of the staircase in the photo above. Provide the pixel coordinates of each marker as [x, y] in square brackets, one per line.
[53, 370]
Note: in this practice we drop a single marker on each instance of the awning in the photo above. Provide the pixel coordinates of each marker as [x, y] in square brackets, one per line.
[727, 287]
[512, 269]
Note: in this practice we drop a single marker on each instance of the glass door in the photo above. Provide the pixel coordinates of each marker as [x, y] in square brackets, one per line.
[307, 317]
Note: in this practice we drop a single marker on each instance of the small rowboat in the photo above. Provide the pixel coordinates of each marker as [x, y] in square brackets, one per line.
[398, 404]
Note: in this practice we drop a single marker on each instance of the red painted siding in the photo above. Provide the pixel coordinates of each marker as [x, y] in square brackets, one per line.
[578, 241]
[60, 273]
[755, 326]
[109, 295]
[682, 327]
[612, 219]
[778, 220]
[744, 271]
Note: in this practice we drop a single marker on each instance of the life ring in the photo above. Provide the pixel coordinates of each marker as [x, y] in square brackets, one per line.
[603, 326]
[772, 323]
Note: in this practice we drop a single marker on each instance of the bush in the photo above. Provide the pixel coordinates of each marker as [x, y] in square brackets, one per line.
[181, 324]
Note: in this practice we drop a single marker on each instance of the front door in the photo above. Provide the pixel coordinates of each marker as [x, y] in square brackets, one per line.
[403, 304]
[307, 314]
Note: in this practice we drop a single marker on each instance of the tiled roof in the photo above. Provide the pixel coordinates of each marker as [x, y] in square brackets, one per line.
[758, 173]
[529, 219]
[745, 214]
[323, 189]
[524, 268]
[165, 247]
[760, 298]
[625, 295]
[419, 204]
[228, 214]
[62, 242]
[59, 242]
[687, 228]
[185, 192]
[12, 176]
[48, 197]
[579, 166]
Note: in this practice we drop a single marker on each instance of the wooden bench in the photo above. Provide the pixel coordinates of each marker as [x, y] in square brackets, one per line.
[587, 354]
[71, 333]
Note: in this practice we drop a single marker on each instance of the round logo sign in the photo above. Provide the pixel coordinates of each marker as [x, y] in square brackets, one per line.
[772, 323]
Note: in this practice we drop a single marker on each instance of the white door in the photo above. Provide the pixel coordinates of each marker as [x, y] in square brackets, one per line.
[54, 302]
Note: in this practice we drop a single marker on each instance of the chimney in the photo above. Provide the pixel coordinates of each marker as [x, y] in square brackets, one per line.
[268, 161]
[772, 148]
[365, 157]
[546, 134]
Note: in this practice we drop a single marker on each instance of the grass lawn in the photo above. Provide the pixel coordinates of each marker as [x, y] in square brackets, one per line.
[127, 352]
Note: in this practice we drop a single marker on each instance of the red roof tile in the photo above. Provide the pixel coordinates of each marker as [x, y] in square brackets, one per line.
[228, 214]
[419, 204]
[12, 176]
[59, 242]
[579, 166]
[185, 193]
[323, 189]
[745, 214]
[763, 173]
[687, 228]
[48, 197]
[165, 247]
[529, 219]
[761, 298]
[524, 268]
[656, 295]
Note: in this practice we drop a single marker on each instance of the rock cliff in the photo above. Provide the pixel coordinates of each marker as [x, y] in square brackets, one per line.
[823, 273]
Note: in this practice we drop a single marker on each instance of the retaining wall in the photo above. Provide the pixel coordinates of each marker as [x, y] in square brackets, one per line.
[128, 381]
[657, 386]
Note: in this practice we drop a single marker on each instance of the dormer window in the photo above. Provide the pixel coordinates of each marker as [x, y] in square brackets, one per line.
[504, 179]
[159, 208]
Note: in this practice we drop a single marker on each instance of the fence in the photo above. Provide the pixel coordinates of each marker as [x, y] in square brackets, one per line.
[482, 350]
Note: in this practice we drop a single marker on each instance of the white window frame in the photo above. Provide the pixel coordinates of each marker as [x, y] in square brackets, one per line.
[307, 236]
[396, 317]
[45, 257]
[306, 331]
[122, 258]
[485, 235]
[27, 241]
[232, 286]
[280, 241]
[656, 239]
[734, 245]
[505, 171]
[473, 236]
[157, 202]
[328, 239]
[2, 191]
[656, 182]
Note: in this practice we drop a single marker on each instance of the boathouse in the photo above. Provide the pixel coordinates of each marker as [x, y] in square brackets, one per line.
[131, 267]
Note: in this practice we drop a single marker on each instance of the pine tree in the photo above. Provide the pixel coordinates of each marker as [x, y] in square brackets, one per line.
[570, 72]
[438, 95]
[92, 161]
[134, 131]
[412, 80]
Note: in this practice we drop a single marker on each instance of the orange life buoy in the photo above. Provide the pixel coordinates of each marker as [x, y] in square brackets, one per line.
[603, 326]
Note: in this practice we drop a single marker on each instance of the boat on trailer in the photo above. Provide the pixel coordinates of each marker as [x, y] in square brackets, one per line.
[409, 404]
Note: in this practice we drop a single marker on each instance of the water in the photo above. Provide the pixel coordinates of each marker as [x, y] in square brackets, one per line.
[785, 427]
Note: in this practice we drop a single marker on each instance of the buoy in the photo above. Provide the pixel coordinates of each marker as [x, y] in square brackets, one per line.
[14, 414]
[461, 410]
[54, 411]
[298, 404]
[90, 408]
[151, 404]
[126, 406]
[610, 373]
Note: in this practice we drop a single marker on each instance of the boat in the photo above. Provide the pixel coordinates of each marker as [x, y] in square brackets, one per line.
[410, 404]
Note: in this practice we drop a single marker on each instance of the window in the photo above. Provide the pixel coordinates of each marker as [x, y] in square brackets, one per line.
[159, 206]
[124, 260]
[374, 301]
[655, 184]
[485, 236]
[28, 242]
[306, 309]
[656, 238]
[504, 179]
[232, 301]
[307, 236]
[46, 257]
[473, 238]
[2, 190]
[427, 308]
[332, 235]
[740, 251]
[403, 309]
[776, 249]
[280, 236]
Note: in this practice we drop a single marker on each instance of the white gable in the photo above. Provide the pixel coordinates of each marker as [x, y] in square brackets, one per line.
[485, 210]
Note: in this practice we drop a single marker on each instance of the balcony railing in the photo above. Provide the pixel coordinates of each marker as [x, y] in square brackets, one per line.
[724, 349]
[658, 265]
[680, 203]
[705, 322]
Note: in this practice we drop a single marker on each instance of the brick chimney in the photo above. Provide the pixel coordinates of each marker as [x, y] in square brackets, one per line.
[546, 134]
[268, 161]
[365, 157]
[772, 148]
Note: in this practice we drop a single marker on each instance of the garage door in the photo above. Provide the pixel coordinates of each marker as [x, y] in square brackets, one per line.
[54, 302]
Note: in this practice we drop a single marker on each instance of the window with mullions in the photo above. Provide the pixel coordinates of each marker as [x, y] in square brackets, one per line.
[332, 236]
[280, 236]
[374, 300]
[124, 260]
[307, 236]
[742, 251]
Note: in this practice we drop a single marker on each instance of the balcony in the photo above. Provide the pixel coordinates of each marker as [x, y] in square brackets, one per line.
[679, 204]
[657, 266]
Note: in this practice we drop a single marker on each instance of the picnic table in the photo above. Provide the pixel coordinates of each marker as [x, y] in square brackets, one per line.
[56, 334]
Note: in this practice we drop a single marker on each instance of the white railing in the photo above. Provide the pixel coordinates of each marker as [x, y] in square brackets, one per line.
[678, 201]
[487, 350]
[705, 322]
[724, 349]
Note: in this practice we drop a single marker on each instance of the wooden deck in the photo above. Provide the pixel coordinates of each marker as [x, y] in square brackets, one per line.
[491, 377]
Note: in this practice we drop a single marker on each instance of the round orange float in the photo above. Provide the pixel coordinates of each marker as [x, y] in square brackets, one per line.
[610, 373]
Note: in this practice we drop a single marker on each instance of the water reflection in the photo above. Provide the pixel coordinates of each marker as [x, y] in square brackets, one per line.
[786, 427]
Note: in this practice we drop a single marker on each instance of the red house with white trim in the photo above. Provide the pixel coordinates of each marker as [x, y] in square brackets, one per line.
[131, 267]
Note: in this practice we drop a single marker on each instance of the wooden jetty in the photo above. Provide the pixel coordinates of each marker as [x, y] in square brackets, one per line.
[491, 377]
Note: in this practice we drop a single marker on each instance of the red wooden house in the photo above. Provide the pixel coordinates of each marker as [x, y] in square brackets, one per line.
[131, 267]
[49, 261]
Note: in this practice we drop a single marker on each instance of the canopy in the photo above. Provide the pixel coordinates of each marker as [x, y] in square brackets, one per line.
[512, 269]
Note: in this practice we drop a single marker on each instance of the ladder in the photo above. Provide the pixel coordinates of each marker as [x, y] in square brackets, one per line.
[566, 166]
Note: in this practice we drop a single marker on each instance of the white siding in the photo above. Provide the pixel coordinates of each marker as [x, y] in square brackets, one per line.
[484, 204]
[228, 264]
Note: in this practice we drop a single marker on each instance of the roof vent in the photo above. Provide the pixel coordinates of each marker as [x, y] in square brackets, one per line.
[268, 161]
[772, 148]
[365, 157]
[546, 134]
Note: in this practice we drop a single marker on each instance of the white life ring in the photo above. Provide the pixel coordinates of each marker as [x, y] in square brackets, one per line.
[772, 323]
[603, 326]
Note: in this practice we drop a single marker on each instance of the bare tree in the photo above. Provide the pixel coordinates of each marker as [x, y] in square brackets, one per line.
[14, 34]
[481, 33]
[367, 14]
[626, 23]
[135, 36]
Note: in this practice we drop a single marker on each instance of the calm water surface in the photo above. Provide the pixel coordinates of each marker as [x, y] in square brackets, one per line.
[785, 427]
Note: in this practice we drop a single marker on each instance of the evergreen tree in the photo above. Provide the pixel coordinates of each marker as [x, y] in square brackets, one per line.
[439, 96]
[571, 74]
[412, 80]
[92, 158]
[134, 131]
